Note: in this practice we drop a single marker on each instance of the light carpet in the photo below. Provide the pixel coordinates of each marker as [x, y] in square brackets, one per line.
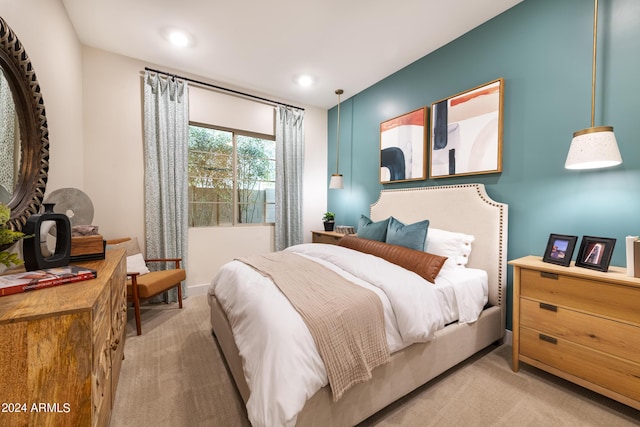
[173, 375]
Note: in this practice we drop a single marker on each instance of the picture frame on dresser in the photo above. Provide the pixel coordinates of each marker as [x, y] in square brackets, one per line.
[595, 252]
[560, 249]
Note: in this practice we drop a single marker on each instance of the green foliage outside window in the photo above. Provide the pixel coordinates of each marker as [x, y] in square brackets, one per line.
[231, 178]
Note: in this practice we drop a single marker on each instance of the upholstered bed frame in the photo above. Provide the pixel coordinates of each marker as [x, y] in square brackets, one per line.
[462, 208]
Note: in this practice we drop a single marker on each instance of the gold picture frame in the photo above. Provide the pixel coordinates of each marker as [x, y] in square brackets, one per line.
[466, 132]
[403, 142]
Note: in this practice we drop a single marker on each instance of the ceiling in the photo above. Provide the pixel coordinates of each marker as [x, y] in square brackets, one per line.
[263, 46]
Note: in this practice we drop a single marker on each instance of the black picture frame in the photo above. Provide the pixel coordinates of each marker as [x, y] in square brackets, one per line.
[595, 252]
[560, 249]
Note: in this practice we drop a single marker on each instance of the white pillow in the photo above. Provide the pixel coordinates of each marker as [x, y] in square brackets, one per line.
[136, 264]
[455, 246]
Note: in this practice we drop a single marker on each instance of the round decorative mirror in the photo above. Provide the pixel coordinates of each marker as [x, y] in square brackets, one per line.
[24, 135]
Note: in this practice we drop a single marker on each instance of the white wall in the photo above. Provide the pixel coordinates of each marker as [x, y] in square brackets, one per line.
[93, 102]
[114, 180]
[55, 53]
[217, 245]
[230, 111]
[113, 143]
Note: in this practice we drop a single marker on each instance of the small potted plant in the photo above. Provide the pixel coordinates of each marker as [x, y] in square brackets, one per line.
[329, 220]
[7, 238]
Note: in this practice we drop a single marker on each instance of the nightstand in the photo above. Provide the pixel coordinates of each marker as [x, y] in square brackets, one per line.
[330, 237]
[579, 324]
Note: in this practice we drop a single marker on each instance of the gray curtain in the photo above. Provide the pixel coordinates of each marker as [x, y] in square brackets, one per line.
[289, 162]
[166, 139]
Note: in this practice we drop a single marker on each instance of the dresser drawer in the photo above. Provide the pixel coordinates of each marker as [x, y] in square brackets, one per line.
[101, 369]
[101, 311]
[609, 372]
[602, 298]
[617, 338]
[118, 306]
[101, 387]
[118, 289]
[118, 325]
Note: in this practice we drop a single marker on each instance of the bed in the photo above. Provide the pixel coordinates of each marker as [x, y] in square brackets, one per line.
[458, 208]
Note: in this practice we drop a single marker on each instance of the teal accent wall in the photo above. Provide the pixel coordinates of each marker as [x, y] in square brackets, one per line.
[542, 49]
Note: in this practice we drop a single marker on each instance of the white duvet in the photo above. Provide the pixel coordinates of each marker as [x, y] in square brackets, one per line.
[281, 363]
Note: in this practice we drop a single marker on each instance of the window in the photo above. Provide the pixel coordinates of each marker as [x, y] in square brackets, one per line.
[231, 178]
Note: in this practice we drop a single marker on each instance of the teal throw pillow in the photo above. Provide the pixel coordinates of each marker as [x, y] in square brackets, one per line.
[411, 236]
[368, 229]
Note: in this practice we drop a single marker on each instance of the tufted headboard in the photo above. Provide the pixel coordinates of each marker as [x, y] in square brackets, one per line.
[463, 208]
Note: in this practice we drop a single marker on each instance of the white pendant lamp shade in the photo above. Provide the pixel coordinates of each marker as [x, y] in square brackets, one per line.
[592, 148]
[336, 182]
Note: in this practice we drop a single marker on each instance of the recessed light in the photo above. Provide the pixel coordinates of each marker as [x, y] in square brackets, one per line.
[305, 80]
[178, 38]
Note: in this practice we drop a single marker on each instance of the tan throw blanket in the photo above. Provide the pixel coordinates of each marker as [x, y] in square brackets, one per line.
[345, 320]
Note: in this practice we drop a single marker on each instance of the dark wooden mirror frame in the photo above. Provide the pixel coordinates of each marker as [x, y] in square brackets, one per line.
[34, 133]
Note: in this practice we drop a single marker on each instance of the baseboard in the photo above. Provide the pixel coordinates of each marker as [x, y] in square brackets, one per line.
[196, 290]
[508, 337]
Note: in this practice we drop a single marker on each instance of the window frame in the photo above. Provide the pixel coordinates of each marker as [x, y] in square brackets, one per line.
[234, 176]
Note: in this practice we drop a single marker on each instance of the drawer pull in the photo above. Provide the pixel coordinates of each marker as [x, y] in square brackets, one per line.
[548, 339]
[549, 307]
[547, 275]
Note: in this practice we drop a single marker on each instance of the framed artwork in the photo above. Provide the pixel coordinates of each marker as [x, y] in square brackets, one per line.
[403, 142]
[466, 132]
[595, 252]
[560, 249]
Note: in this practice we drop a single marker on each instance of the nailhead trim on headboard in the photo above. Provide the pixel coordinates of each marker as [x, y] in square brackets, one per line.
[502, 239]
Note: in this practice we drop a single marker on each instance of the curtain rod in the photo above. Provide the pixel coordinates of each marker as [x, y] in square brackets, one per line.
[222, 88]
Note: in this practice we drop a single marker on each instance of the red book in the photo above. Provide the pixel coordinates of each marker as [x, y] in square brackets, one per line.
[38, 279]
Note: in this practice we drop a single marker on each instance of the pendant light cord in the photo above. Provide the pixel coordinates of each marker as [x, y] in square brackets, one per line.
[338, 92]
[593, 65]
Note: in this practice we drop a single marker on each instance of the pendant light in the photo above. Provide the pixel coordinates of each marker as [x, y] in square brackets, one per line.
[593, 147]
[336, 179]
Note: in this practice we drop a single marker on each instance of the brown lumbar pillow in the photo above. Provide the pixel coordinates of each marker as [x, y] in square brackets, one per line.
[422, 263]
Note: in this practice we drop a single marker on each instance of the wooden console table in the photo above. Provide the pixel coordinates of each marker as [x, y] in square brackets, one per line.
[62, 348]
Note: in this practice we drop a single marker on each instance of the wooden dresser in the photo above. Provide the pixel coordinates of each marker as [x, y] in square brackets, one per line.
[579, 324]
[61, 349]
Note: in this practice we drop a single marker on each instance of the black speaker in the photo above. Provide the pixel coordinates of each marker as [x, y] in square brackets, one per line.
[32, 251]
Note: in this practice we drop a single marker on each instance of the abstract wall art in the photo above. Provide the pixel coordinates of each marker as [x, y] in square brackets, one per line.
[466, 132]
[403, 141]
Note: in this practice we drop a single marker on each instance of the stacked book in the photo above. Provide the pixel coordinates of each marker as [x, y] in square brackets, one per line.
[38, 279]
[345, 229]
